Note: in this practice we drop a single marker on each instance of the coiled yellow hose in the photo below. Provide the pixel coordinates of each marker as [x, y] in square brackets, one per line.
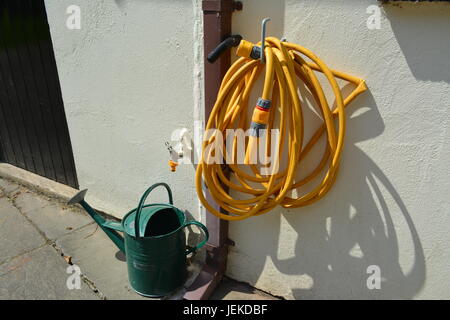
[240, 189]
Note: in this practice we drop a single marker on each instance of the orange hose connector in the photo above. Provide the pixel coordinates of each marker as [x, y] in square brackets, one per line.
[173, 165]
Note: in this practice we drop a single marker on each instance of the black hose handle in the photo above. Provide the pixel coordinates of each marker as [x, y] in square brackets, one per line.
[231, 41]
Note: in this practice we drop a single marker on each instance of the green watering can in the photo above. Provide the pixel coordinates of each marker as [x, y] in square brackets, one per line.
[154, 243]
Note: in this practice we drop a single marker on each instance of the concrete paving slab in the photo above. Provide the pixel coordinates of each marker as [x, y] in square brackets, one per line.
[7, 186]
[53, 218]
[17, 235]
[98, 260]
[28, 201]
[230, 289]
[41, 274]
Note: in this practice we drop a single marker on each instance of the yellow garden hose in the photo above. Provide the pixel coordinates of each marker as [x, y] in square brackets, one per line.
[240, 189]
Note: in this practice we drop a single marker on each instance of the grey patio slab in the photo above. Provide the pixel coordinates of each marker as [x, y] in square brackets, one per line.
[8, 186]
[17, 235]
[28, 201]
[95, 254]
[53, 218]
[41, 274]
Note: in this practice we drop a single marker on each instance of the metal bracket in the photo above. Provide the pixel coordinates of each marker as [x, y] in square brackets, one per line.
[221, 6]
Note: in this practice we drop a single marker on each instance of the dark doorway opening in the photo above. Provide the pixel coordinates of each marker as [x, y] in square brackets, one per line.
[33, 127]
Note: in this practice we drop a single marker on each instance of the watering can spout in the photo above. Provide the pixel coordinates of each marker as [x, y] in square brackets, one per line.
[109, 227]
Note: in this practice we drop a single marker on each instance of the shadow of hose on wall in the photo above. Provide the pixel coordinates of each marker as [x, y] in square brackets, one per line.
[337, 239]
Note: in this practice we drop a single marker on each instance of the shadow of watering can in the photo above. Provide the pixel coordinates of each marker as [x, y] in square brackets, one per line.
[153, 241]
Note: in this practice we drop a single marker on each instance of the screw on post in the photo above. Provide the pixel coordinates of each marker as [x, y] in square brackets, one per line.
[263, 39]
[169, 147]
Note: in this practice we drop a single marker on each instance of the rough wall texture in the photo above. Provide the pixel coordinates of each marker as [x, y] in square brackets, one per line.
[129, 77]
[390, 204]
[133, 73]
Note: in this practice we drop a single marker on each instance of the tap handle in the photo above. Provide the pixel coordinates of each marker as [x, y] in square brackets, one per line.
[231, 41]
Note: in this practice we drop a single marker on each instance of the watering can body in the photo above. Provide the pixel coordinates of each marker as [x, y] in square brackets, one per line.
[154, 243]
[156, 266]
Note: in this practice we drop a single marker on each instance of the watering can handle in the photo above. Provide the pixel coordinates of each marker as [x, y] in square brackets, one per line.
[201, 244]
[141, 204]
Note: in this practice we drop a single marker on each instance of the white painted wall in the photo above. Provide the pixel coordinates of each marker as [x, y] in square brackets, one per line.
[133, 73]
[128, 79]
[390, 206]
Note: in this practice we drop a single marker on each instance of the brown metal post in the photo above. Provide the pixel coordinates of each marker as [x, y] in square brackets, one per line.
[216, 26]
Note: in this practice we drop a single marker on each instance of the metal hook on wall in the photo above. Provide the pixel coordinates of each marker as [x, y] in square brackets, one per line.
[263, 38]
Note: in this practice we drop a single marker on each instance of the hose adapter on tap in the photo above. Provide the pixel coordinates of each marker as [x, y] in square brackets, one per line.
[248, 50]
